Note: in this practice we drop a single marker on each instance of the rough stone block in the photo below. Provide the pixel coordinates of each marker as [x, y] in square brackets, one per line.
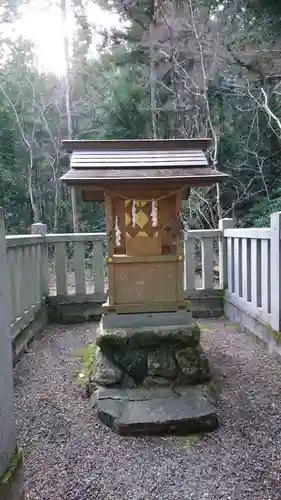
[108, 339]
[155, 382]
[104, 371]
[172, 353]
[162, 363]
[156, 411]
[132, 362]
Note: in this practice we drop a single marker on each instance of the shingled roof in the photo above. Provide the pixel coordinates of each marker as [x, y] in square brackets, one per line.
[96, 162]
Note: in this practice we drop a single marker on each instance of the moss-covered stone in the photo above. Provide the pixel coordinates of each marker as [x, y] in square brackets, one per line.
[109, 339]
[128, 382]
[151, 357]
[161, 363]
[187, 359]
[105, 372]
[133, 362]
[155, 382]
[193, 365]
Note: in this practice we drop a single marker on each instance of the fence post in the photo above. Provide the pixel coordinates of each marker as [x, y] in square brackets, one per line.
[275, 270]
[8, 443]
[223, 225]
[41, 229]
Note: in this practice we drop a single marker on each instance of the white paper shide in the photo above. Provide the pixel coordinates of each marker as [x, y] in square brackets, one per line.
[154, 213]
[117, 233]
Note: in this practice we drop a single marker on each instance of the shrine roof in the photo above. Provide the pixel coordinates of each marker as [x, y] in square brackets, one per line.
[77, 176]
[147, 159]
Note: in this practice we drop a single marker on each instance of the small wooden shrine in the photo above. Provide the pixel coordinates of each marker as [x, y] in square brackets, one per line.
[143, 183]
[146, 338]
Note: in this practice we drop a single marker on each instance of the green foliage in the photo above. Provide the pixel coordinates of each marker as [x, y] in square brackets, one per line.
[111, 98]
[260, 212]
[126, 119]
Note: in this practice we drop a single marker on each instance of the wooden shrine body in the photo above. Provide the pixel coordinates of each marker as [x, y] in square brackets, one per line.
[143, 183]
[145, 264]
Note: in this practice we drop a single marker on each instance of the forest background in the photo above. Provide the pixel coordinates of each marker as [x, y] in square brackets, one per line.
[165, 69]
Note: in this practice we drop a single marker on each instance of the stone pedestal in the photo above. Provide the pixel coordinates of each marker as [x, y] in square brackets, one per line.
[149, 357]
[144, 320]
[147, 360]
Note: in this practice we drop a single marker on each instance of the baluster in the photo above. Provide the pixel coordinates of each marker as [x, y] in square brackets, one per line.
[265, 276]
[237, 267]
[98, 266]
[246, 269]
[79, 267]
[61, 268]
[11, 260]
[189, 261]
[230, 265]
[19, 282]
[207, 263]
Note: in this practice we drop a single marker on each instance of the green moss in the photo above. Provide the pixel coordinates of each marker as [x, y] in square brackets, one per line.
[16, 460]
[204, 328]
[235, 326]
[87, 357]
[185, 441]
[274, 334]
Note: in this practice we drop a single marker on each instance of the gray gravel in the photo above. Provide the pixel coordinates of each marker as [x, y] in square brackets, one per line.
[69, 455]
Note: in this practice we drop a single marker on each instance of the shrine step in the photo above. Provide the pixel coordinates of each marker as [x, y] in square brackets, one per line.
[132, 412]
[138, 320]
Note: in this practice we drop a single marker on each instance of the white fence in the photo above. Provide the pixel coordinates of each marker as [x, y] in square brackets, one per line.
[7, 417]
[79, 267]
[26, 257]
[203, 272]
[71, 266]
[245, 263]
[253, 270]
[79, 263]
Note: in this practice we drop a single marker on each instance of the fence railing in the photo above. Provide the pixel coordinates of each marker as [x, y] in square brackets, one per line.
[77, 264]
[254, 271]
[249, 275]
[72, 266]
[246, 263]
[201, 251]
[25, 255]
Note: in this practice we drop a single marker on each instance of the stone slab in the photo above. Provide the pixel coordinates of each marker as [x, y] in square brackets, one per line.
[140, 337]
[139, 394]
[137, 320]
[136, 412]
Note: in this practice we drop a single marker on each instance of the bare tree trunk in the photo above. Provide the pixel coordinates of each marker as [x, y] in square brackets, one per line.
[34, 206]
[152, 76]
[152, 81]
[63, 5]
[28, 143]
[207, 105]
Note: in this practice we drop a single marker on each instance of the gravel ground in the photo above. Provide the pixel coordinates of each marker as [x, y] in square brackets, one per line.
[69, 455]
